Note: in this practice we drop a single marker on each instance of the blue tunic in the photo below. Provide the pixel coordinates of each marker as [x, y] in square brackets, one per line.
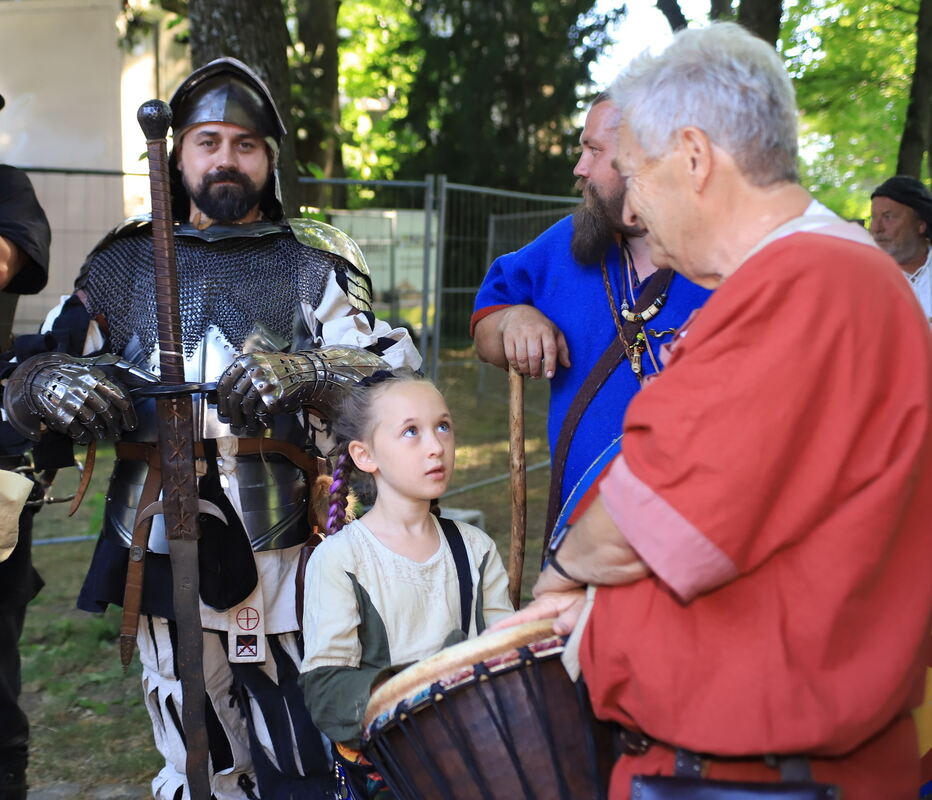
[545, 275]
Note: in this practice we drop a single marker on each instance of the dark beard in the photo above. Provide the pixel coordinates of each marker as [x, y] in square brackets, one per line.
[226, 204]
[593, 234]
[595, 228]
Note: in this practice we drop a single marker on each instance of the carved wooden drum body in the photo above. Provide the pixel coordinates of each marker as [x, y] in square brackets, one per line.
[495, 717]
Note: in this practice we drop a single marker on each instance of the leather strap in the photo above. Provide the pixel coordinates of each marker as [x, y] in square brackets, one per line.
[89, 460]
[461, 560]
[140, 451]
[135, 568]
[615, 353]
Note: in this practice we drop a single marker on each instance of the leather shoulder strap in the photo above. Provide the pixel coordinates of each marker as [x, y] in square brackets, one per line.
[614, 354]
[461, 560]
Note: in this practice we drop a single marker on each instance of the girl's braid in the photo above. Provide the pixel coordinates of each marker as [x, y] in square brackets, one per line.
[339, 489]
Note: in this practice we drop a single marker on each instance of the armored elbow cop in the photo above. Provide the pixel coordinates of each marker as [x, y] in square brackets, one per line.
[258, 385]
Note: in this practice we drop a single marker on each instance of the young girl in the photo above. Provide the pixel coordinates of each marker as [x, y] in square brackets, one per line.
[387, 590]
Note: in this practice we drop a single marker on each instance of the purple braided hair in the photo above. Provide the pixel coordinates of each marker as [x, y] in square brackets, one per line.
[338, 491]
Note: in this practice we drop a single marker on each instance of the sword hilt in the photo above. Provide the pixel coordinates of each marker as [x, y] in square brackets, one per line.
[155, 117]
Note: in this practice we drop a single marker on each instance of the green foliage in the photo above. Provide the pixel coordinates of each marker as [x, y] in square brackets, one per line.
[852, 63]
[378, 63]
[493, 98]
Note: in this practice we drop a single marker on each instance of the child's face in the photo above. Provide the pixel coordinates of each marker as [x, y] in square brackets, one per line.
[412, 447]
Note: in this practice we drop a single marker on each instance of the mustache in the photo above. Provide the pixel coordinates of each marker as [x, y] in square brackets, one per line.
[227, 175]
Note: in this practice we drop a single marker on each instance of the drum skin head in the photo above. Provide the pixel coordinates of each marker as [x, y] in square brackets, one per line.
[417, 677]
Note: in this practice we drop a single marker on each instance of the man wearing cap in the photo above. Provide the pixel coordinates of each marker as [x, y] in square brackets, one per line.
[24, 263]
[901, 224]
[259, 297]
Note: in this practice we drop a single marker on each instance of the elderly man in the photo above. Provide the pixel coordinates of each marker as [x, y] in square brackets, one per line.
[260, 296]
[583, 305]
[758, 557]
[901, 224]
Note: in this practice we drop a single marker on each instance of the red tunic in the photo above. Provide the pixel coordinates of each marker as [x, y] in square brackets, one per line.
[777, 478]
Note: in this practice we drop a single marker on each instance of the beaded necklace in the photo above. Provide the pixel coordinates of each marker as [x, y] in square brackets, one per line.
[629, 282]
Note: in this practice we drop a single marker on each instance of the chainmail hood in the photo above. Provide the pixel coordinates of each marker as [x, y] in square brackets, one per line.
[232, 284]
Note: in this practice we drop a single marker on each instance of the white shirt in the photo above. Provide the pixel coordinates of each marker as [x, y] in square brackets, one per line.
[921, 281]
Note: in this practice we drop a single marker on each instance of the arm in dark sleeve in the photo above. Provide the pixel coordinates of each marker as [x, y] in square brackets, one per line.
[23, 224]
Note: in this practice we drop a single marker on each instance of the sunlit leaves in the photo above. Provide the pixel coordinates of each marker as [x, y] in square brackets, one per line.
[852, 62]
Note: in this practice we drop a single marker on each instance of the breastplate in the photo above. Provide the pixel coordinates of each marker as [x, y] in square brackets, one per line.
[272, 492]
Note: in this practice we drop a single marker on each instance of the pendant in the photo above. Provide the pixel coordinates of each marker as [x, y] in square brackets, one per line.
[635, 358]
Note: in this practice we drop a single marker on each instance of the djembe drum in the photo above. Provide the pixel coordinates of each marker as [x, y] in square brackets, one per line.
[494, 717]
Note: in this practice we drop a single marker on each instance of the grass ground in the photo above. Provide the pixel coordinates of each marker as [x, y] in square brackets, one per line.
[89, 725]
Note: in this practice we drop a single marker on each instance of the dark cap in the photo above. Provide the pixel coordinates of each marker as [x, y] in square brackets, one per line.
[226, 90]
[910, 192]
[2, 101]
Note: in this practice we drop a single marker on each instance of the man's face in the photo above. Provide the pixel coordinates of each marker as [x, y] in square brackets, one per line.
[601, 187]
[897, 230]
[652, 198]
[224, 168]
[597, 219]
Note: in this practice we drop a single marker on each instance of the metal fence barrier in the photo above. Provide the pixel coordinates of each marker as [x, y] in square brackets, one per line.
[428, 242]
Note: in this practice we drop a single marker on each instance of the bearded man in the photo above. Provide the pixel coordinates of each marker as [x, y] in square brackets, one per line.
[574, 304]
[260, 296]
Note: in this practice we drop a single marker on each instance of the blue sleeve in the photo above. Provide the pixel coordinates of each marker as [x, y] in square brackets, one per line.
[507, 283]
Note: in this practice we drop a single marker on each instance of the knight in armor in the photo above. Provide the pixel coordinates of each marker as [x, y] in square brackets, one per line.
[276, 320]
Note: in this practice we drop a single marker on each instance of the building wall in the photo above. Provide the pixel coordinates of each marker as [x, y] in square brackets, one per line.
[71, 98]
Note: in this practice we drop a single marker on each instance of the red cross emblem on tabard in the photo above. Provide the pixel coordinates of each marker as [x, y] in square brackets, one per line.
[247, 618]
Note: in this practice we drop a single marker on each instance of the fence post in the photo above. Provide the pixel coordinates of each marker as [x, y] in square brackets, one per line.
[425, 283]
[438, 284]
[392, 276]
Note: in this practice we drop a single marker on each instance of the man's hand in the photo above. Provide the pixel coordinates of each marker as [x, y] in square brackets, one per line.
[257, 385]
[74, 396]
[565, 607]
[522, 337]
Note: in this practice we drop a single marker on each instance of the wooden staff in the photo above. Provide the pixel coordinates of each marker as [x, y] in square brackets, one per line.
[518, 484]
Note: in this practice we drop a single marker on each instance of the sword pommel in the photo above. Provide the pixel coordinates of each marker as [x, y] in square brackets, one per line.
[154, 117]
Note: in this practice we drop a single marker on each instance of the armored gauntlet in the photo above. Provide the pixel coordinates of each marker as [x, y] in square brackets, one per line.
[74, 396]
[257, 385]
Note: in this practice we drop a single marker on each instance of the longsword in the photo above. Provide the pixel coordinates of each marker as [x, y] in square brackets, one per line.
[179, 503]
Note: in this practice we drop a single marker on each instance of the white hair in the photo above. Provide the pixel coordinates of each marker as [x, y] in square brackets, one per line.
[724, 81]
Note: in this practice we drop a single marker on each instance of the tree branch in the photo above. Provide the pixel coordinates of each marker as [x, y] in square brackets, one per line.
[671, 10]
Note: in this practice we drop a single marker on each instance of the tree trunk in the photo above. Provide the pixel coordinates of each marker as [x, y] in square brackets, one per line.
[318, 74]
[915, 139]
[762, 17]
[256, 34]
[721, 9]
[671, 10]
